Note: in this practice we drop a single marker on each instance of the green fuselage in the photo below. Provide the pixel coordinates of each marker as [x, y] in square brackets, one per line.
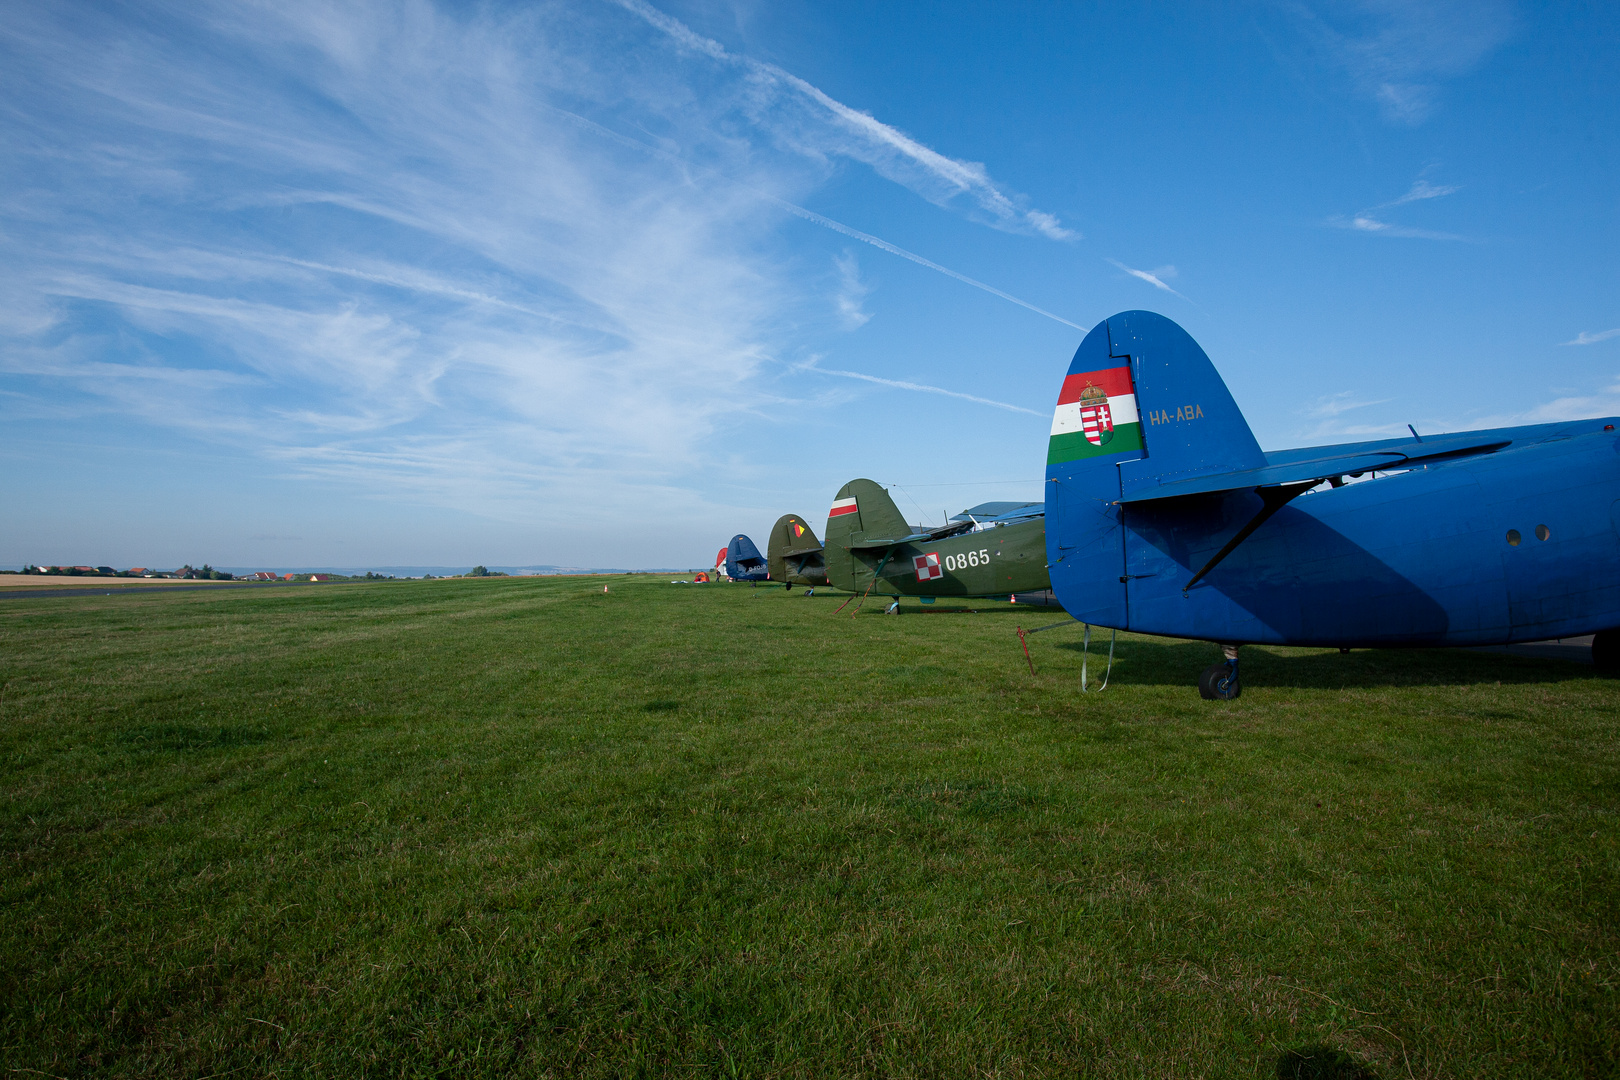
[992, 562]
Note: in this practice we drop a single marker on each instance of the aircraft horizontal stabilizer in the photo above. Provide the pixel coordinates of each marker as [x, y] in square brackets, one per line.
[926, 536]
[992, 513]
[1321, 467]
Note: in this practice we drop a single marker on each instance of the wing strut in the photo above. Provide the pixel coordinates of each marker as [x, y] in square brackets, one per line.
[872, 586]
[1275, 498]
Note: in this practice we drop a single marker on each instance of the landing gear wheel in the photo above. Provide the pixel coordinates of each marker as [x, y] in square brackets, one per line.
[1219, 682]
[894, 608]
[1606, 651]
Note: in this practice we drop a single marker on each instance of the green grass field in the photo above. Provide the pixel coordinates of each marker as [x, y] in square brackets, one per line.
[520, 827]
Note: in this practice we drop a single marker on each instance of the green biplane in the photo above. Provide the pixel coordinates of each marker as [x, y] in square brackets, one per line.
[794, 554]
[991, 550]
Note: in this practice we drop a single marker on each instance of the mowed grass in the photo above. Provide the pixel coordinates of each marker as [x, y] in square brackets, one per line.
[523, 827]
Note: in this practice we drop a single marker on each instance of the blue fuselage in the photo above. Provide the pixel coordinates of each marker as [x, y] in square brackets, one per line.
[1516, 545]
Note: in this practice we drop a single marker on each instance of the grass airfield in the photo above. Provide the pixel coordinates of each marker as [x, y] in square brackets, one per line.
[520, 826]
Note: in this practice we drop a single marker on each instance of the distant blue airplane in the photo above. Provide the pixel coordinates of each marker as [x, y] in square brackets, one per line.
[744, 562]
[1163, 516]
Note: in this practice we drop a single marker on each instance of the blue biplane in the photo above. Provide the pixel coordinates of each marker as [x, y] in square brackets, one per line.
[1164, 516]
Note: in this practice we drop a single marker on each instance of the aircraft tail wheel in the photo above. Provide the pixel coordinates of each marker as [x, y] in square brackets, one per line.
[1219, 682]
[1606, 651]
[894, 608]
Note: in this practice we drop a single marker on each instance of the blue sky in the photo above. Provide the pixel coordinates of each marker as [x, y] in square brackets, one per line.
[603, 283]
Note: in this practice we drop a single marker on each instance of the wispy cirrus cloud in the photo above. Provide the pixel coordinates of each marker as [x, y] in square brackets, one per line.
[1153, 277]
[1584, 338]
[1399, 54]
[851, 292]
[1600, 401]
[836, 128]
[401, 246]
[1331, 405]
[884, 245]
[1420, 191]
[1330, 421]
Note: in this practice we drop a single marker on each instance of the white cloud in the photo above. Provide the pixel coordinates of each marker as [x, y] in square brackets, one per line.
[884, 245]
[1365, 222]
[851, 292]
[1603, 401]
[407, 247]
[1584, 338]
[1399, 53]
[1330, 433]
[834, 128]
[365, 242]
[1153, 277]
[1599, 402]
[1421, 190]
[1344, 401]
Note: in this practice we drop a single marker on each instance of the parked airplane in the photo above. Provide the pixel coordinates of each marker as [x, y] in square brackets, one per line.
[992, 550]
[744, 562]
[795, 556]
[1165, 517]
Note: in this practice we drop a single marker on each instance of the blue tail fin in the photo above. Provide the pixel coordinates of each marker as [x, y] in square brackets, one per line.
[744, 562]
[1141, 406]
[1190, 424]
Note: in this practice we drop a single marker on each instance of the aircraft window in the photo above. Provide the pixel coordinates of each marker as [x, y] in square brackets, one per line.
[1513, 538]
[1542, 532]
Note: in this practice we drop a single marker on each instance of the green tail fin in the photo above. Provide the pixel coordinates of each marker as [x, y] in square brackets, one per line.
[861, 509]
[795, 555]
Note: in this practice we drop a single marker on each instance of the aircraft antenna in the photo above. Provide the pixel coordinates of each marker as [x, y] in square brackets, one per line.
[1413, 430]
[914, 502]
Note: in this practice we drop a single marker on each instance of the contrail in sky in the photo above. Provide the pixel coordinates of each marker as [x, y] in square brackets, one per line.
[809, 215]
[901, 385]
[868, 238]
[958, 176]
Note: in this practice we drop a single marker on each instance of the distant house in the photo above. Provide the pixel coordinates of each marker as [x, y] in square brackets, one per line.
[287, 577]
[265, 575]
[139, 570]
[320, 577]
[85, 569]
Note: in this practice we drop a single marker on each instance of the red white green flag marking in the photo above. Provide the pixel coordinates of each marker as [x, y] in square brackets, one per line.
[1096, 415]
